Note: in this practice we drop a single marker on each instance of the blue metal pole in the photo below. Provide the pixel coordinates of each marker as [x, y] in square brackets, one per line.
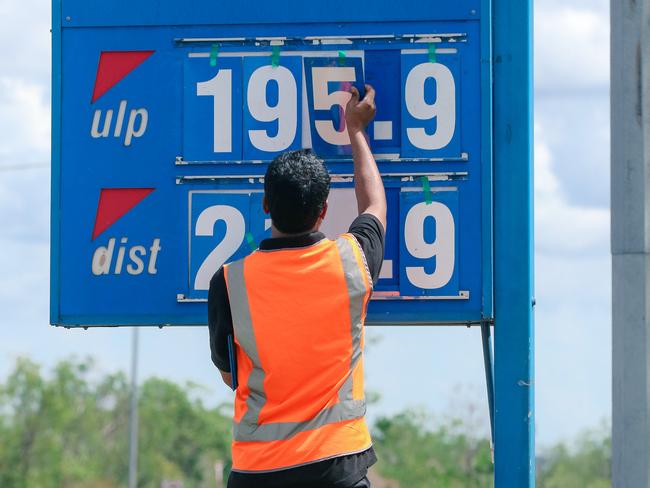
[513, 244]
[56, 163]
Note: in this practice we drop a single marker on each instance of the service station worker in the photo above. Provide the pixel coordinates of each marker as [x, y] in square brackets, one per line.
[296, 308]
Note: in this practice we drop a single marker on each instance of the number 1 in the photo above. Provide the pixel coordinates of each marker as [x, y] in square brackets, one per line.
[220, 88]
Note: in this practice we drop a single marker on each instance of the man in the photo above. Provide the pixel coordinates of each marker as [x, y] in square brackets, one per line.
[296, 308]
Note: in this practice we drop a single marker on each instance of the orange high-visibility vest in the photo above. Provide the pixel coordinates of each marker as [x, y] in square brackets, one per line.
[298, 319]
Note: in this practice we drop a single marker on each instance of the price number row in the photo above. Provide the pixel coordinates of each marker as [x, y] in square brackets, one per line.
[246, 109]
[228, 226]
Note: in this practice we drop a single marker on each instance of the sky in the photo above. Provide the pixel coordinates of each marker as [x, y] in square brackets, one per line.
[438, 369]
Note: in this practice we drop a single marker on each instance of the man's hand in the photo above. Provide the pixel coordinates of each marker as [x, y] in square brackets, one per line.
[368, 185]
[227, 378]
[358, 114]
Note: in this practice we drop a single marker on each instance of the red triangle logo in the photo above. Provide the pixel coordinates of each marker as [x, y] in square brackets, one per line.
[113, 68]
[114, 203]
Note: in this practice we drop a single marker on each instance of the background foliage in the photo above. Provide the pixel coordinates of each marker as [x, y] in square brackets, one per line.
[69, 429]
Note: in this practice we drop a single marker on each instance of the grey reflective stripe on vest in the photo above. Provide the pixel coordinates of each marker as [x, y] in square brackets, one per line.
[356, 291]
[248, 428]
[243, 327]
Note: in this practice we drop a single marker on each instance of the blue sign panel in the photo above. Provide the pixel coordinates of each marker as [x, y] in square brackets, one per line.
[383, 72]
[163, 132]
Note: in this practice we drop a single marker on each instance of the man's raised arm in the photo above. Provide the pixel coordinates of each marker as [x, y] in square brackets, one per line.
[368, 186]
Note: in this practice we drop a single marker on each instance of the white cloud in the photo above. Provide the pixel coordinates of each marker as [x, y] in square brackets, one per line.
[25, 40]
[573, 291]
[571, 47]
[24, 140]
[25, 122]
[562, 228]
[576, 127]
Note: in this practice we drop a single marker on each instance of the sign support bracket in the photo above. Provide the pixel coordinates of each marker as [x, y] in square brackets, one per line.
[486, 339]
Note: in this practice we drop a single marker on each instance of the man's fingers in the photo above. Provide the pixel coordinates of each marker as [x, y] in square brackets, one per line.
[370, 94]
[355, 94]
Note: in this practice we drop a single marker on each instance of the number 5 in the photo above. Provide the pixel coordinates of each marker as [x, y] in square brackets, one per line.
[323, 100]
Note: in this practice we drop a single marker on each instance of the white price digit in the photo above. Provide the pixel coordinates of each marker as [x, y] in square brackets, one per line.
[235, 232]
[444, 108]
[220, 89]
[285, 111]
[442, 248]
[323, 100]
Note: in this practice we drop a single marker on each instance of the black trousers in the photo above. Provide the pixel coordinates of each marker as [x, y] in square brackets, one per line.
[364, 483]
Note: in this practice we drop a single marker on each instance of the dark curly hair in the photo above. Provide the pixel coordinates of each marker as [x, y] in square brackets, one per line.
[296, 186]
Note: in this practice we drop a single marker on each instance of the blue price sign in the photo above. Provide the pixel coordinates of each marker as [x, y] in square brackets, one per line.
[165, 131]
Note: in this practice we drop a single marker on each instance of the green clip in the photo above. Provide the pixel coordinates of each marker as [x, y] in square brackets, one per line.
[213, 55]
[251, 241]
[275, 56]
[341, 58]
[427, 189]
[433, 58]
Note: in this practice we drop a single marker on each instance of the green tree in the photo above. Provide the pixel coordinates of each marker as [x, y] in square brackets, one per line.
[179, 437]
[70, 429]
[420, 457]
[586, 464]
[54, 429]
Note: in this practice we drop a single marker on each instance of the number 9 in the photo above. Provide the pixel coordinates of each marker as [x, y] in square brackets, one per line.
[285, 111]
[442, 248]
[444, 108]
